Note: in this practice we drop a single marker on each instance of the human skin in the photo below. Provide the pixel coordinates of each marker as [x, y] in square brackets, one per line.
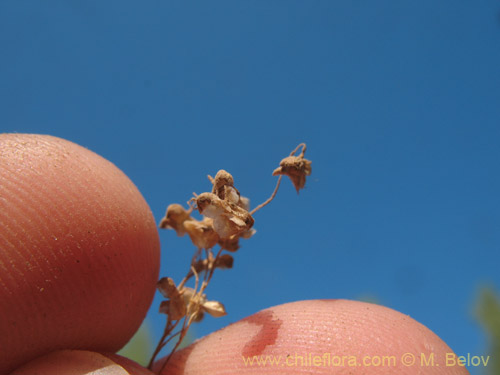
[319, 337]
[81, 362]
[79, 265]
[80, 251]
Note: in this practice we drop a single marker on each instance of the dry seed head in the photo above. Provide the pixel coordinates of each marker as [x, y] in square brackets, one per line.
[221, 180]
[233, 243]
[231, 194]
[199, 266]
[175, 307]
[175, 217]
[175, 310]
[167, 287]
[202, 233]
[198, 305]
[244, 203]
[189, 295]
[229, 218]
[164, 307]
[248, 233]
[223, 187]
[295, 167]
[224, 261]
[230, 244]
[193, 302]
[208, 204]
[197, 316]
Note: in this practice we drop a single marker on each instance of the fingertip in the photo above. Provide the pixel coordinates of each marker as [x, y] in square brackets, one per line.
[80, 250]
[317, 337]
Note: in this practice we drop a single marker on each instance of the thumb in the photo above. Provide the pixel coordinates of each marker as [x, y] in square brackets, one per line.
[79, 252]
[318, 337]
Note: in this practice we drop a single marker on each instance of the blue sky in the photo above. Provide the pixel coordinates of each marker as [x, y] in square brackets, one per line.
[398, 102]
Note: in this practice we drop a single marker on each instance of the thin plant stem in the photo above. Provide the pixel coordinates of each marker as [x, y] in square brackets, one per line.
[182, 334]
[269, 199]
[190, 272]
[185, 279]
[212, 269]
[209, 257]
[168, 329]
[303, 145]
[197, 279]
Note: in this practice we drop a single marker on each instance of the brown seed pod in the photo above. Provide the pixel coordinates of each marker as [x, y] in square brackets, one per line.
[296, 168]
[175, 307]
[231, 195]
[222, 179]
[230, 244]
[229, 218]
[199, 266]
[175, 311]
[193, 302]
[175, 217]
[167, 288]
[233, 243]
[198, 305]
[244, 203]
[223, 261]
[198, 316]
[202, 233]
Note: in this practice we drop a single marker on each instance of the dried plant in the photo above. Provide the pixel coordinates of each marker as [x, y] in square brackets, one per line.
[226, 219]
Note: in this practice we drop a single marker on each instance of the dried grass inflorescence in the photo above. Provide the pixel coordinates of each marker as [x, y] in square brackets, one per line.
[226, 218]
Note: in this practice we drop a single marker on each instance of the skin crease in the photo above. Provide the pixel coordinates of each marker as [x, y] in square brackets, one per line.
[80, 251]
[78, 268]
